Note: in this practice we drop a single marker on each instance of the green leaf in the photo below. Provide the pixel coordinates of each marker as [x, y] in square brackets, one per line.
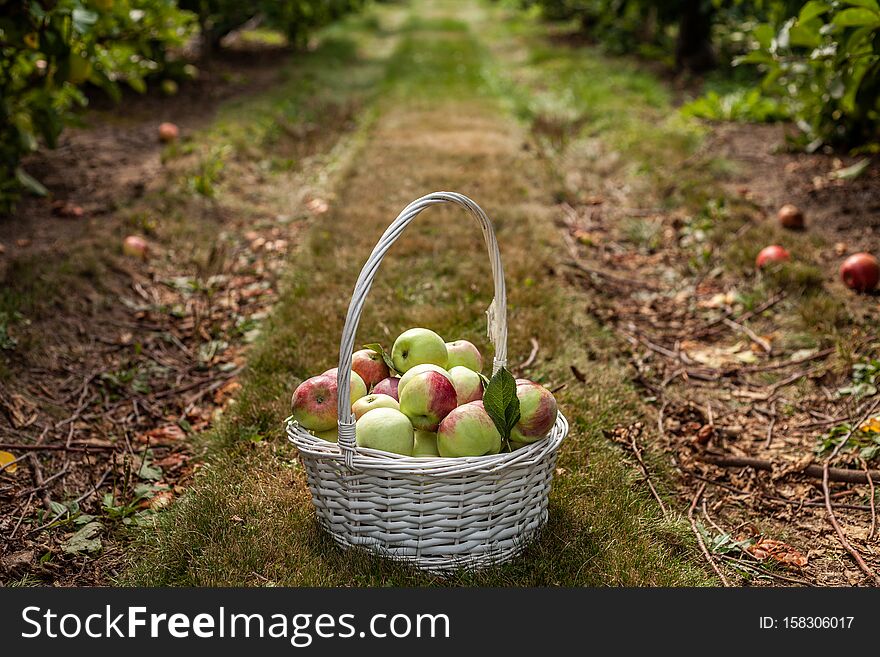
[857, 16]
[501, 402]
[812, 9]
[83, 19]
[84, 540]
[764, 33]
[30, 183]
[754, 57]
[853, 171]
[805, 35]
[375, 346]
[868, 4]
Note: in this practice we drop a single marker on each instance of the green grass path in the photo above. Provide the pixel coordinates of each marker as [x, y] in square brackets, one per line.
[442, 121]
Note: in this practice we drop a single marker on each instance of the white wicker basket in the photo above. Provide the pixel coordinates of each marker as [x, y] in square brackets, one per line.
[441, 514]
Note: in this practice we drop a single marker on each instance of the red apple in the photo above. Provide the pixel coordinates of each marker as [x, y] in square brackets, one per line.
[357, 387]
[860, 272]
[168, 132]
[427, 399]
[791, 217]
[370, 366]
[770, 254]
[387, 387]
[314, 403]
[537, 413]
[135, 247]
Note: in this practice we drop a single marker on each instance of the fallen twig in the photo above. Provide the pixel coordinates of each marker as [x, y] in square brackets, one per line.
[531, 359]
[816, 471]
[873, 503]
[742, 328]
[702, 544]
[638, 454]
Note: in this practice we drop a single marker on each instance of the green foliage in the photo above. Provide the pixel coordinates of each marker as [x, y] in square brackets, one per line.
[865, 378]
[501, 402]
[823, 64]
[739, 105]
[50, 50]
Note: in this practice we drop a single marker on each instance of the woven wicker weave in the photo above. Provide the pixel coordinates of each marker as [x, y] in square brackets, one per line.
[440, 514]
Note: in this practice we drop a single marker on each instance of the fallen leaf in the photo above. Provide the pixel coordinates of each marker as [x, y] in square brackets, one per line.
[161, 500]
[318, 205]
[226, 391]
[21, 412]
[84, 540]
[161, 434]
[868, 426]
[17, 560]
[8, 460]
[767, 548]
[67, 209]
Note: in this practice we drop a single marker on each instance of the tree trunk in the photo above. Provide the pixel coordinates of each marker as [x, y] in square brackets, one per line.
[694, 50]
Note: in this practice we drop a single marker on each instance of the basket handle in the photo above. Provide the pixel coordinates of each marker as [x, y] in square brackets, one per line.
[496, 313]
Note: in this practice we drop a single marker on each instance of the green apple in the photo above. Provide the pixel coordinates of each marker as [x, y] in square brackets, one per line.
[468, 431]
[368, 403]
[537, 413]
[468, 385]
[415, 371]
[358, 388]
[418, 346]
[331, 435]
[425, 444]
[464, 353]
[386, 429]
[427, 399]
[514, 445]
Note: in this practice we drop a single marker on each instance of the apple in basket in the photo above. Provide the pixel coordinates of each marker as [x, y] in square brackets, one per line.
[468, 385]
[369, 366]
[425, 445]
[468, 431]
[357, 386]
[365, 404]
[314, 402]
[416, 347]
[388, 387]
[537, 413]
[426, 399]
[330, 435]
[464, 353]
[418, 369]
[386, 429]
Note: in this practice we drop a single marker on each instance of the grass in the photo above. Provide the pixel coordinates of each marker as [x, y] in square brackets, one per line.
[441, 122]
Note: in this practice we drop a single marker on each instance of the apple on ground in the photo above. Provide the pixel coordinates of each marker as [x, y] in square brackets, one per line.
[468, 384]
[168, 132]
[314, 403]
[357, 387]
[427, 399]
[425, 444]
[860, 272]
[386, 429]
[771, 254]
[371, 401]
[330, 435]
[418, 346]
[388, 387]
[415, 371]
[468, 431]
[537, 413]
[464, 353]
[135, 247]
[369, 366]
[790, 216]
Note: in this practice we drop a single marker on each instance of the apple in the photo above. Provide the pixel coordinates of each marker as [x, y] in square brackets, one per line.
[425, 444]
[314, 403]
[771, 254]
[415, 371]
[537, 413]
[357, 388]
[135, 247]
[418, 346]
[371, 401]
[168, 132]
[467, 383]
[464, 353]
[790, 216]
[369, 366]
[330, 435]
[515, 445]
[427, 399]
[860, 272]
[468, 431]
[388, 387]
[519, 381]
[386, 429]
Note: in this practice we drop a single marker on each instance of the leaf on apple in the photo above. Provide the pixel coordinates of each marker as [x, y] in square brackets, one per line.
[484, 379]
[501, 402]
[375, 346]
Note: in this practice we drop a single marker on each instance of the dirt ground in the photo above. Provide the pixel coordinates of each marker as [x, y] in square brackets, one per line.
[113, 365]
